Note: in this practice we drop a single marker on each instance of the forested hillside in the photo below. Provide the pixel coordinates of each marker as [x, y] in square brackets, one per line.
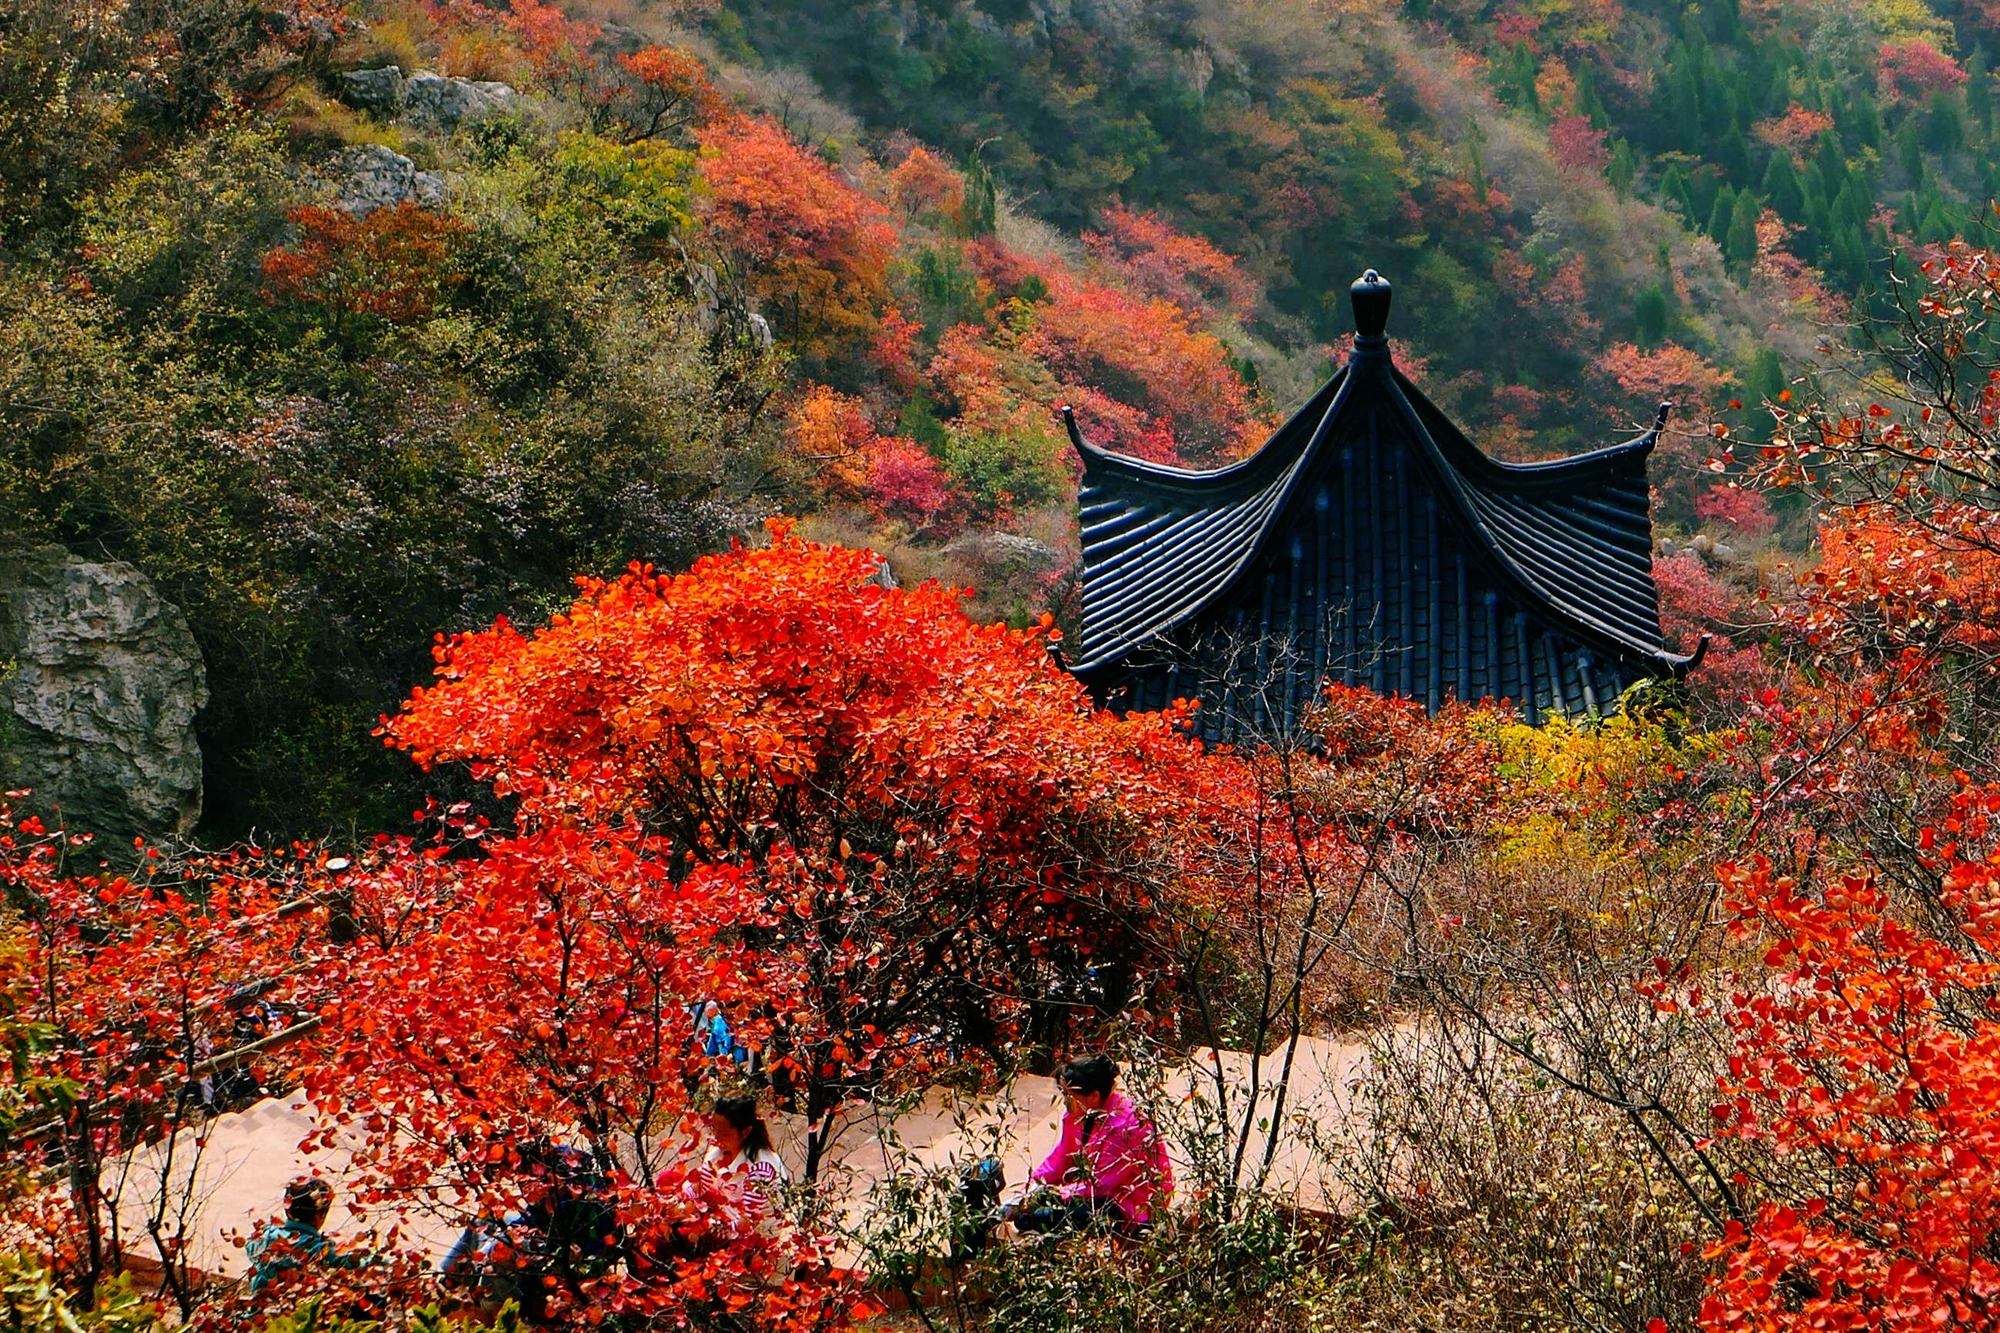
[351, 323]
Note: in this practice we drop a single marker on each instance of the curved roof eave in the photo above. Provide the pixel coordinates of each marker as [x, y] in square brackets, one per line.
[1335, 393]
[1530, 476]
[1578, 620]
[1103, 461]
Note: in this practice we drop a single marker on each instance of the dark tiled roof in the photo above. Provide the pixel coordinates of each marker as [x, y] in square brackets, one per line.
[1368, 518]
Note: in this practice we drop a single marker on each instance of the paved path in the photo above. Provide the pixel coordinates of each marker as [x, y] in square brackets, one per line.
[234, 1169]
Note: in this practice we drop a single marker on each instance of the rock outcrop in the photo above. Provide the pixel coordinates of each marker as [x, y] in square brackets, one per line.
[1005, 553]
[372, 177]
[376, 91]
[435, 102]
[100, 681]
[426, 100]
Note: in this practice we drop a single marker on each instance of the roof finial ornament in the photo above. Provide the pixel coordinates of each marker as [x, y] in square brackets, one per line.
[1660, 417]
[1069, 424]
[1370, 294]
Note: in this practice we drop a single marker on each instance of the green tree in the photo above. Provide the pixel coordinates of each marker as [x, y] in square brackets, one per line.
[1622, 167]
[1910, 149]
[981, 199]
[1649, 314]
[1765, 378]
[1739, 244]
[1674, 190]
[1721, 215]
[1781, 186]
[1944, 130]
[1979, 90]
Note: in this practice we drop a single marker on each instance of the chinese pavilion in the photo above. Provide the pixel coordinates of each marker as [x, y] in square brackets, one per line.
[1369, 542]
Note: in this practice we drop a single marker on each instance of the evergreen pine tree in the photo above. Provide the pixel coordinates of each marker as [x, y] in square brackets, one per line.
[1945, 132]
[1864, 128]
[1703, 185]
[981, 201]
[1684, 103]
[1910, 149]
[1622, 168]
[1649, 314]
[1739, 245]
[1936, 224]
[1674, 189]
[1732, 150]
[1781, 186]
[1766, 376]
[1846, 215]
[1814, 213]
[1832, 164]
[1720, 216]
[1588, 104]
[1516, 79]
[1979, 91]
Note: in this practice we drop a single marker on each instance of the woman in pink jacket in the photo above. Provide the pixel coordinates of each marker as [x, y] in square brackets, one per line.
[1110, 1162]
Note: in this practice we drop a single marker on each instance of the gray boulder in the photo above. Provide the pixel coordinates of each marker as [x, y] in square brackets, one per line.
[1005, 552]
[436, 102]
[376, 91]
[100, 681]
[372, 177]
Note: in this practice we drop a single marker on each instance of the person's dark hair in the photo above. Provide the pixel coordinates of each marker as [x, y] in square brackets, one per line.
[308, 1199]
[539, 1155]
[1089, 1074]
[741, 1113]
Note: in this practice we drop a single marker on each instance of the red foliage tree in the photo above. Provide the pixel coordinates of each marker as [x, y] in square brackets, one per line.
[1863, 1066]
[1160, 261]
[393, 264]
[557, 45]
[1146, 352]
[1695, 603]
[924, 183]
[539, 990]
[1578, 147]
[133, 975]
[1912, 70]
[830, 434]
[1873, 1052]
[818, 249]
[1795, 131]
[1738, 509]
[905, 482]
[669, 90]
[1668, 372]
[942, 838]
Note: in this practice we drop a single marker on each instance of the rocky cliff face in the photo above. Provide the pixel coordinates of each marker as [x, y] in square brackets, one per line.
[100, 681]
